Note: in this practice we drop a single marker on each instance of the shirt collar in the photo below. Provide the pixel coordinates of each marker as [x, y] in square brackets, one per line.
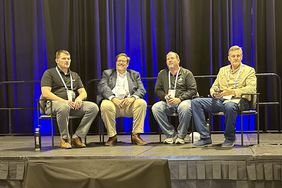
[122, 75]
[62, 72]
[180, 71]
[236, 70]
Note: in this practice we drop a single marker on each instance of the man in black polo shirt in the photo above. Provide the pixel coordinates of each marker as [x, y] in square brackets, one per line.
[66, 91]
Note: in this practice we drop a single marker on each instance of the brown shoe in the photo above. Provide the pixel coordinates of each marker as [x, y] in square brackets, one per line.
[136, 139]
[77, 143]
[64, 144]
[112, 141]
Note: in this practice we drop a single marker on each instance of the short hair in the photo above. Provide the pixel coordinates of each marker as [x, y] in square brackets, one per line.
[59, 52]
[234, 48]
[123, 54]
[176, 55]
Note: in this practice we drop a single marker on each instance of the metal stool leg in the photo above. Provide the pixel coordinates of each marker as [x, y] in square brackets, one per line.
[242, 131]
[52, 132]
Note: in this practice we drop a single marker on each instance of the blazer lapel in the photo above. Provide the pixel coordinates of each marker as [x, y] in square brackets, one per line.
[113, 79]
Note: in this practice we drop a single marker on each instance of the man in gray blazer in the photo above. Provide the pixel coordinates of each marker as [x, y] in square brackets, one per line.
[122, 91]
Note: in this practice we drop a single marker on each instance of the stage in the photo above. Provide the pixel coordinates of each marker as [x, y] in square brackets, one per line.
[247, 166]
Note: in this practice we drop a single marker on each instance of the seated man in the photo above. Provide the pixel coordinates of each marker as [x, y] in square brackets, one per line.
[66, 91]
[232, 81]
[122, 91]
[175, 88]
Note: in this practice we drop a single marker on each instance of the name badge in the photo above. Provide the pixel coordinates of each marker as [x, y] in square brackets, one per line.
[171, 92]
[71, 95]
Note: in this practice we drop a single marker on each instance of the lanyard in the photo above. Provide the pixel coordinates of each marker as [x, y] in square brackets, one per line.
[236, 80]
[169, 84]
[63, 79]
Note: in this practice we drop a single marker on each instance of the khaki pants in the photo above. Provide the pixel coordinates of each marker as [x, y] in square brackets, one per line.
[137, 110]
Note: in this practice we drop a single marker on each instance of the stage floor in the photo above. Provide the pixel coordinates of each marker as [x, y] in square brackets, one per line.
[23, 147]
[212, 166]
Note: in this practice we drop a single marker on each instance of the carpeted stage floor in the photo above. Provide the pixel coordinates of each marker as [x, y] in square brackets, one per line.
[247, 166]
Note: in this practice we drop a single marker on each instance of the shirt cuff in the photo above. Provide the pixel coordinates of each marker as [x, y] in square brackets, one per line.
[135, 96]
[111, 97]
[236, 93]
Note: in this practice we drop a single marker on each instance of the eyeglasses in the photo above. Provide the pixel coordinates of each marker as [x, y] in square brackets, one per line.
[121, 61]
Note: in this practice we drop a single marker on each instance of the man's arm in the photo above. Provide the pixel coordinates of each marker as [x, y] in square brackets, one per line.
[251, 84]
[215, 90]
[82, 94]
[249, 87]
[191, 87]
[159, 87]
[140, 92]
[47, 94]
[103, 86]
[46, 87]
[46, 91]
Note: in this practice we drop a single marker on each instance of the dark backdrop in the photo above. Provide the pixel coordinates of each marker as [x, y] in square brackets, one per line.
[95, 31]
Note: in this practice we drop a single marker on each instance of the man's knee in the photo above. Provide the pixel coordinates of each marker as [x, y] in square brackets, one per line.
[195, 102]
[107, 105]
[154, 108]
[185, 106]
[92, 107]
[231, 106]
[63, 108]
[158, 106]
[140, 103]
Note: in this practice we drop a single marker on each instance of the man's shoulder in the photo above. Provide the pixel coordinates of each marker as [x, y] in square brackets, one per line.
[247, 67]
[162, 75]
[244, 68]
[73, 72]
[163, 71]
[50, 71]
[185, 71]
[108, 71]
[48, 76]
[75, 76]
[132, 71]
[224, 67]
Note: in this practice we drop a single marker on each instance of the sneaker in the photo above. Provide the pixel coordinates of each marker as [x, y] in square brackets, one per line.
[179, 141]
[169, 140]
[228, 143]
[64, 144]
[203, 142]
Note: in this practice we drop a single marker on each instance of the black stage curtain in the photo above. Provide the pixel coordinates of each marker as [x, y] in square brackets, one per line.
[94, 31]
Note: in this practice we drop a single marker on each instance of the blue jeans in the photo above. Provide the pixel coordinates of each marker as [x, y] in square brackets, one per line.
[211, 105]
[161, 111]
